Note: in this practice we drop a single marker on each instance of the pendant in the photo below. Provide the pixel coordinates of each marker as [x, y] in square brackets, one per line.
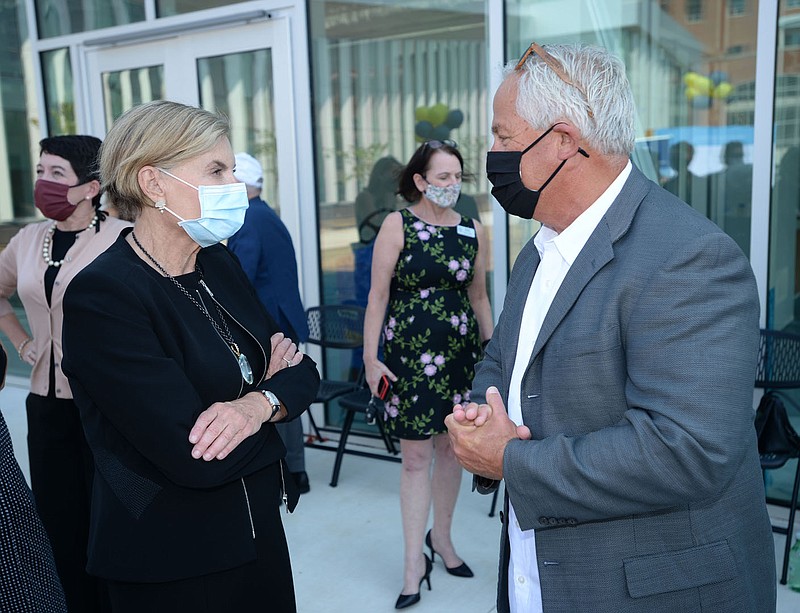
[244, 366]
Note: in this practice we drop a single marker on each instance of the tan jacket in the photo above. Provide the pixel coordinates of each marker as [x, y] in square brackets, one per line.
[22, 270]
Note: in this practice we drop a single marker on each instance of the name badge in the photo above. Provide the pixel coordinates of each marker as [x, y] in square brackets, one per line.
[465, 231]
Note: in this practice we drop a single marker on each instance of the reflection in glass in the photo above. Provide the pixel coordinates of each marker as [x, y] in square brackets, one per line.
[783, 297]
[19, 128]
[164, 8]
[58, 92]
[783, 306]
[59, 17]
[692, 73]
[124, 89]
[383, 83]
[239, 85]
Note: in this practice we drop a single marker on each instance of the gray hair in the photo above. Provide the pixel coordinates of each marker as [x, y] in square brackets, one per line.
[599, 103]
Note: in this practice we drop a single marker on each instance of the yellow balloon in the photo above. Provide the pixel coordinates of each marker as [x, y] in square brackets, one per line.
[723, 90]
[702, 84]
[422, 113]
[690, 92]
[438, 114]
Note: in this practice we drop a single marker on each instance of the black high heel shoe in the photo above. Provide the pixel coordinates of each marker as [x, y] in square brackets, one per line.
[459, 571]
[406, 600]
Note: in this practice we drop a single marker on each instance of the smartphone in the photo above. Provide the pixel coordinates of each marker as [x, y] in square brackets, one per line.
[384, 387]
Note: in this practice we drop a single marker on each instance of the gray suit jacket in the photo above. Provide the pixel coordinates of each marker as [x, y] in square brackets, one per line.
[642, 481]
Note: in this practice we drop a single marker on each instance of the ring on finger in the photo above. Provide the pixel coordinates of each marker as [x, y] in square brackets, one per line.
[288, 362]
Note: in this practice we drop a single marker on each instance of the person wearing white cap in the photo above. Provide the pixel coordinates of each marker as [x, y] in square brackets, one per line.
[265, 251]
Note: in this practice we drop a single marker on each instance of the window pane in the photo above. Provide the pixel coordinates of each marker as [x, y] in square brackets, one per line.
[783, 308]
[58, 17]
[694, 10]
[239, 85]
[164, 8]
[737, 7]
[783, 280]
[18, 146]
[58, 92]
[387, 76]
[124, 89]
[695, 100]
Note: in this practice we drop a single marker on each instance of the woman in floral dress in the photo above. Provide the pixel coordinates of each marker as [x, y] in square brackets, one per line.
[428, 297]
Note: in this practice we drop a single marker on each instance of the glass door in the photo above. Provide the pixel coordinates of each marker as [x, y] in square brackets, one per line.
[230, 71]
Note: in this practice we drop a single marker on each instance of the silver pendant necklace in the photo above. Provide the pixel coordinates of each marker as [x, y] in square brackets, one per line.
[223, 331]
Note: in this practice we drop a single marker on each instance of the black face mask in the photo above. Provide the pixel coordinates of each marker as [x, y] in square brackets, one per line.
[503, 171]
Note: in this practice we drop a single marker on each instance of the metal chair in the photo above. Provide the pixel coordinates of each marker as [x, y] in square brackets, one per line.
[357, 402]
[338, 326]
[779, 369]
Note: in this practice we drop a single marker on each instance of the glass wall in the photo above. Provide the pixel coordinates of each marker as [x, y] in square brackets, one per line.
[385, 78]
[783, 308]
[124, 89]
[692, 69]
[59, 93]
[19, 135]
[239, 85]
[165, 8]
[59, 17]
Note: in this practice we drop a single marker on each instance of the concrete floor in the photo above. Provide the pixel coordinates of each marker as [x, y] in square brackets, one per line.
[345, 542]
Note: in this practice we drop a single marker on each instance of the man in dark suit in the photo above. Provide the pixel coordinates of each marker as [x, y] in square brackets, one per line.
[264, 248]
[615, 397]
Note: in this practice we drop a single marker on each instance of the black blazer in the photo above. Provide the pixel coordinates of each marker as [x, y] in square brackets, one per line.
[143, 363]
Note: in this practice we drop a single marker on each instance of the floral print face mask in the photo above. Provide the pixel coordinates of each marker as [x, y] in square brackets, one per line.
[444, 197]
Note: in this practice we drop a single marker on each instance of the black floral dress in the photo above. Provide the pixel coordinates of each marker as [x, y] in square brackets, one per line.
[431, 334]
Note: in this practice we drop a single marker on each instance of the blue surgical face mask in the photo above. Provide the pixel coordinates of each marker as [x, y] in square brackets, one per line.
[222, 209]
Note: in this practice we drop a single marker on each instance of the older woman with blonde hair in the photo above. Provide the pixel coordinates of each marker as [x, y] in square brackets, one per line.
[180, 375]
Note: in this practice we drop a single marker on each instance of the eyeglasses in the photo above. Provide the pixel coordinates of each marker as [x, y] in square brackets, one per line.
[438, 144]
[556, 67]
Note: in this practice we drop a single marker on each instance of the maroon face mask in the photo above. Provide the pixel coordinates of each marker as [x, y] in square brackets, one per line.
[51, 199]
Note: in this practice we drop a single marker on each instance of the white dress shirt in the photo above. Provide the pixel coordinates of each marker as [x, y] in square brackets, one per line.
[557, 252]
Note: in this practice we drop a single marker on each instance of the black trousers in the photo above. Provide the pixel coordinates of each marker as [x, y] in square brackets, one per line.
[61, 479]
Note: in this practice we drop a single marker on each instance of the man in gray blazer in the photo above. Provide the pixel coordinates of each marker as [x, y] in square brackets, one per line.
[615, 397]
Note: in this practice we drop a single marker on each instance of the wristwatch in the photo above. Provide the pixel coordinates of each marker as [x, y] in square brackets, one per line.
[273, 400]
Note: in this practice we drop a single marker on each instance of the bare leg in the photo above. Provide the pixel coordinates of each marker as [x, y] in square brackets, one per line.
[415, 505]
[446, 483]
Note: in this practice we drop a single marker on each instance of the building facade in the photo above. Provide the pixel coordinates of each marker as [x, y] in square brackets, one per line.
[322, 90]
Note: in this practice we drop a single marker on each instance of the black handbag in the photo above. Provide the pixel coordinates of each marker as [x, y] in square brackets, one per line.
[777, 439]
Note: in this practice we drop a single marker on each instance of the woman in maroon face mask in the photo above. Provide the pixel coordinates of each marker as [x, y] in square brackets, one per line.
[39, 263]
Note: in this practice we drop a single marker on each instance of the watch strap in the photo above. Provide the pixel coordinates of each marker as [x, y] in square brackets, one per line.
[274, 402]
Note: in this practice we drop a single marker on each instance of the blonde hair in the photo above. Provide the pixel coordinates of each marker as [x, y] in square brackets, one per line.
[161, 134]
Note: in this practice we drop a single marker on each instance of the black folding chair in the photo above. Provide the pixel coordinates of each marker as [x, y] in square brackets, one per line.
[357, 402]
[779, 369]
[338, 326]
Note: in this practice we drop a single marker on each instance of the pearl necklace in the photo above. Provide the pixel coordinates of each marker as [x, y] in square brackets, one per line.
[47, 253]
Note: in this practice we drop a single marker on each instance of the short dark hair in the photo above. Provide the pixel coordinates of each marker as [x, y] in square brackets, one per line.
[79, 150]
[419, 164]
